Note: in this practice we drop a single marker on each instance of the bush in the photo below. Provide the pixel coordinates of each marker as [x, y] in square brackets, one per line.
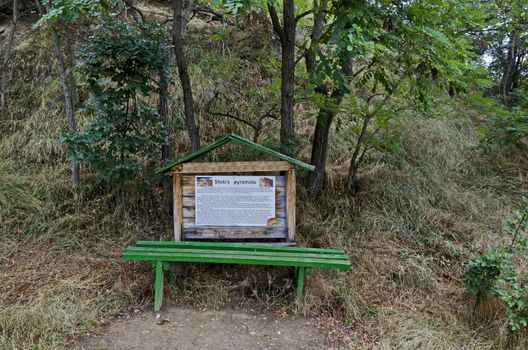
[507, 128]
[485, 272]
[496, 272]
[121, 63]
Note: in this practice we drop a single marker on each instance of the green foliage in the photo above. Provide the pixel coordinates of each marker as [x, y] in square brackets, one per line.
[70, 11]
[120, 63]
[484, 272]
[504, 41]
[237, 6]
[507, 128]
[497, 271]
[413, 43]
[516, 300]
[403, 55]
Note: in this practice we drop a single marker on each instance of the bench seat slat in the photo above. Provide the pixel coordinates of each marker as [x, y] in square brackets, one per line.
[237, 246]
[284, 253]
[207, 257]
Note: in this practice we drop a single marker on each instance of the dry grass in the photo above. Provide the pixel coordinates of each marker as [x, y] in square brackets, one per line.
[409, 232]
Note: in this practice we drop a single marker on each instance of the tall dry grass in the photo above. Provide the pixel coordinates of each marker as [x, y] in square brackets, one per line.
[418, 217]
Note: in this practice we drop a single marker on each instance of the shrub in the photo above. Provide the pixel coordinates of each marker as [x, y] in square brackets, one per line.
[508, 128]
[496, 272]
[485, 272]
[121, 63]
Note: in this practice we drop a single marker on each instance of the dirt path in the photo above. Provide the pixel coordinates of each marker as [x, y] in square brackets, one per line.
[192, 329]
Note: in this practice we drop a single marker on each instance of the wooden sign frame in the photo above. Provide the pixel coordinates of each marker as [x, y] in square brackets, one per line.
[234, 168]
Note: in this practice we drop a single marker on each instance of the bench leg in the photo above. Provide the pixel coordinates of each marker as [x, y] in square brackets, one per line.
[158, 286]
[300, 284]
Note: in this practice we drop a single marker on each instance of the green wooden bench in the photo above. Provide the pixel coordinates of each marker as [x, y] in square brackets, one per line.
[162, 253]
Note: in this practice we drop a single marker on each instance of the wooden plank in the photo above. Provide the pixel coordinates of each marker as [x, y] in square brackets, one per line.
[188, 191]
[334, 255]
[290, 200]
[280, 204]
[241, 229]
[178, 206]
[272, 223]
[189, 211]
[285, 252]
[237, 259]
[228, 246]
[233, 167]
[205, 235]
[188, 180]
[237, 229]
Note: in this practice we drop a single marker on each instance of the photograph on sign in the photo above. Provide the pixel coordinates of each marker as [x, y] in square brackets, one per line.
[234, 200]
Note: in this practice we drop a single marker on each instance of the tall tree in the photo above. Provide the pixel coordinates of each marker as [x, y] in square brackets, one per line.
[285, 27]
[181, 16]
[390, 43]
[332, 93]
[506, 39]
[286, 34]
[408, 49]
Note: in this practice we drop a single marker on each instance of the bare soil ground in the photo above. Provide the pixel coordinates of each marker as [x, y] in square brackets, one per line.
[185, 328]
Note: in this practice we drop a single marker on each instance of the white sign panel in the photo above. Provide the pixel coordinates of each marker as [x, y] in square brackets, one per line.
[234, 200]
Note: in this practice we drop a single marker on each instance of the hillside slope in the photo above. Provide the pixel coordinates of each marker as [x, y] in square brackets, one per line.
[418, 215]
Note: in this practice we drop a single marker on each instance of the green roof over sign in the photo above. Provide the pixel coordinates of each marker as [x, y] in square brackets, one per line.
[243, 142]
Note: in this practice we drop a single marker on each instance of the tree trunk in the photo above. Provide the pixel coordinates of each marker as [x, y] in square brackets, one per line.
[286, 34]
[181, 62]
[517, 74]
[187, 14]
[66, 79]
[357, 156]
[6, 58]
[510, 68]
[68, 100]
[320, 150]
[325, 116]
[316, 35]
[163, 110]
[287, 132]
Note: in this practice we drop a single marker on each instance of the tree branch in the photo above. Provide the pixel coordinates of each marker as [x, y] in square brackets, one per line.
[302, 15]
[215, 16]
[315, 37]
[188, 11]
[235, 117]
[275, 21]
[374, 95]
[133, 7]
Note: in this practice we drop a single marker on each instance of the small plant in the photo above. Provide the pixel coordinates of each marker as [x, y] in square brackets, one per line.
[484, 273]
[496, 272]
[516, 300]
